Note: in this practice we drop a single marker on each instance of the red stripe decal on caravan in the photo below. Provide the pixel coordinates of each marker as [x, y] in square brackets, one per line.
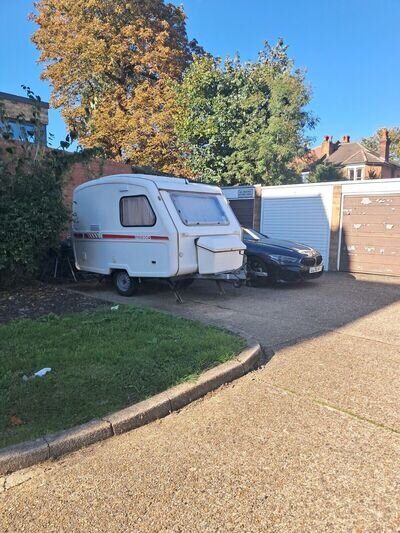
[140, 237]
[111, 236]
[159, 238]
[121, 236]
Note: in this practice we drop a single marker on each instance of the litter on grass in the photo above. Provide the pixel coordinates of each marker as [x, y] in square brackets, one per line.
[114, 308]
[39, 374]
[42, 372]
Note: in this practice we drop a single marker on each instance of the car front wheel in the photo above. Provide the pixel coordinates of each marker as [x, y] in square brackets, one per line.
[258, 266]
[124, 284]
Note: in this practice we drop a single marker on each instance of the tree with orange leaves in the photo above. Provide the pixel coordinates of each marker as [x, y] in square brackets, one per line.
[113, 66]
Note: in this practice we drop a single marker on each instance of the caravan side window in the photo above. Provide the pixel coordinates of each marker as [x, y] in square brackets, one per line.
[136, 211]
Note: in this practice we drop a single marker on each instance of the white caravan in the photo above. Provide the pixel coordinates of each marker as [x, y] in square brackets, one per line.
[134, 226]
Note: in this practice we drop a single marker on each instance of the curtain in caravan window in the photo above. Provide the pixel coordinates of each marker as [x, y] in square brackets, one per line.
[136, 211]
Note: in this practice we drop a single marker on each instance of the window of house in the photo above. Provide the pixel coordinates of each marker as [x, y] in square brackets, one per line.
[304, 176]
[355, 173]
[24, 131]
[136, 211]
[199, 209]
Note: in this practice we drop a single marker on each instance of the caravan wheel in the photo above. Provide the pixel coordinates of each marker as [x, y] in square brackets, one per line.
[124, 284]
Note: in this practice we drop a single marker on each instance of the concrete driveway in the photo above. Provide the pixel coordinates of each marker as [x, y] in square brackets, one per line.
[310, 442]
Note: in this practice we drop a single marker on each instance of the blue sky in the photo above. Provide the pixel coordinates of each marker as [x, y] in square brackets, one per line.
[350, 48]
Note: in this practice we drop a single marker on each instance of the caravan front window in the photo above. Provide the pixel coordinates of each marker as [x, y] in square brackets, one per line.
[199, 209]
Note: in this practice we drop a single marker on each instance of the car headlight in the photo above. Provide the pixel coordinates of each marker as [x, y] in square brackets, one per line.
[284, 259]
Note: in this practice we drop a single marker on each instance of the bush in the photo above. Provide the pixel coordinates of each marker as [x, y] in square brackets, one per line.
[325, 172]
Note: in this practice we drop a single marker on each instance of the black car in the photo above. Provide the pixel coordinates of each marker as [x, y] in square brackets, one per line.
[280, 260]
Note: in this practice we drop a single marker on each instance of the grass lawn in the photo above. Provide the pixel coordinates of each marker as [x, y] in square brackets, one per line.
[101, 361]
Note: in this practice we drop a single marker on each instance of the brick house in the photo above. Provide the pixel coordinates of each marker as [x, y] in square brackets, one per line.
[19, 115]
[355, 160]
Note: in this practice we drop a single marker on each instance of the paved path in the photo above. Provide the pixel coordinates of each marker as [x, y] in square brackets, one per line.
[311, 442]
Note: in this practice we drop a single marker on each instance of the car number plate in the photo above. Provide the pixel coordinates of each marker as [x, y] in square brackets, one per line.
[313, 270]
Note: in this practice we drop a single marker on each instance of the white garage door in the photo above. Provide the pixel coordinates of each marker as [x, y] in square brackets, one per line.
[304, 219]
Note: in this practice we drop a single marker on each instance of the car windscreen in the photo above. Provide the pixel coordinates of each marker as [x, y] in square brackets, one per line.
[199, 209]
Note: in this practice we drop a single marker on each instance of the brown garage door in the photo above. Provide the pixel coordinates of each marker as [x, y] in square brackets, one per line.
[244, 211]
[371, 234]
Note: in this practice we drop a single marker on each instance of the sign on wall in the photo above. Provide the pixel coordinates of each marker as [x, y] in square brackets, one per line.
[239, 193]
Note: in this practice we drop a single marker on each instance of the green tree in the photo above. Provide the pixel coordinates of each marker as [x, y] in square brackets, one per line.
[112, 66]
[325, 172]
[244, 122]
[394, 134]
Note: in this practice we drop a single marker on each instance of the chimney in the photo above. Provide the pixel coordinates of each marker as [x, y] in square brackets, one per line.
[345, 139]
[327, 147]
[384, 143]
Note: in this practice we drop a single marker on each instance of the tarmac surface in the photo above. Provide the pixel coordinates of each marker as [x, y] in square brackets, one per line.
[309, 442]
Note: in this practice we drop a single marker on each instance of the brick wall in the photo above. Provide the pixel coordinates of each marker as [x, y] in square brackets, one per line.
[80, 173]
[335, 226]
[390, 172]
[14, 109]
[257, 208]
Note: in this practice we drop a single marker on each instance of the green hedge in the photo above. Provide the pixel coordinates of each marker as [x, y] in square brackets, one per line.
[32, 212]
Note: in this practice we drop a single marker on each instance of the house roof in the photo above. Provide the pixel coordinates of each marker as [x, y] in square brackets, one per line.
[316, 153]
[355, 153]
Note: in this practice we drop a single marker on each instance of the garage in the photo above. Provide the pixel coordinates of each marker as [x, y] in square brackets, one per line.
[370, 233]
[299, 213]
[241, 200]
